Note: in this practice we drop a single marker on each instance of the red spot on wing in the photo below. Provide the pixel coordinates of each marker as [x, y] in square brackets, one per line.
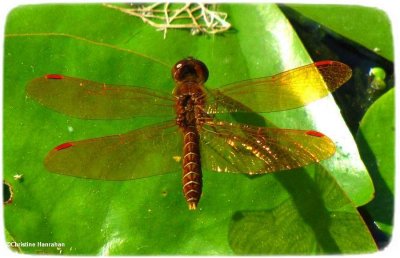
[63, 146]
[315, 134]
[323, 63]
[54, 76]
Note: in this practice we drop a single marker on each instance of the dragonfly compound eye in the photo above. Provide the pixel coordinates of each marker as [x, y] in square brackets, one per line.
[190, 70]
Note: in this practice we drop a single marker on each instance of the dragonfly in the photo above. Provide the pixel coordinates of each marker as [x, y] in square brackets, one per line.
[191, 138]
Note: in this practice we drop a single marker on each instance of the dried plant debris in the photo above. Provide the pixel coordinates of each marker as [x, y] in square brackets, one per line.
[196, 17]
[19, 177]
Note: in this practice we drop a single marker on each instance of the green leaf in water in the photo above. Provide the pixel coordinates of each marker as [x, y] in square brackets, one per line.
[376, 141]
[374, 32]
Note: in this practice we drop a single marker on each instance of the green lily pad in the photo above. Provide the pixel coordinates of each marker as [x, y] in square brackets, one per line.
[319, 219]
[369, 27]
[145, 216]
[376, 140]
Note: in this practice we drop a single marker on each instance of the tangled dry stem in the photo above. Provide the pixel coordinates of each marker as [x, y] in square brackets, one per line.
[198, 18]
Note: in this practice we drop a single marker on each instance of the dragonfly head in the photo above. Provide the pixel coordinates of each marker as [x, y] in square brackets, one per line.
[190, 70]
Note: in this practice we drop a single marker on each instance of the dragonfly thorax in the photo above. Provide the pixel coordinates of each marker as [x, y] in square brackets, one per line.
[189, 108]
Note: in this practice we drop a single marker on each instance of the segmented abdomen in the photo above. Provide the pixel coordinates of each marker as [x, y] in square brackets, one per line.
[192, 177]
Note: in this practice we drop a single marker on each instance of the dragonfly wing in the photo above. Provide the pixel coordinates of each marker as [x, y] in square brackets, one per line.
[287, 90]
[92, 100]
[246, 149]
[144, 152]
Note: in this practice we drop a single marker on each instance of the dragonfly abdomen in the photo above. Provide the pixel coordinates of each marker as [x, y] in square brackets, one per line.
[192, 175]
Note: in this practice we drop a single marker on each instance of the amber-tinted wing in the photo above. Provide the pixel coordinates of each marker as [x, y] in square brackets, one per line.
[92, 100]
[239, 148]
[149, 151]
[287, 90]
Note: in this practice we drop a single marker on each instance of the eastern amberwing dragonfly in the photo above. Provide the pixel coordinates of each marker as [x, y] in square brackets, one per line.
[193, 139]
